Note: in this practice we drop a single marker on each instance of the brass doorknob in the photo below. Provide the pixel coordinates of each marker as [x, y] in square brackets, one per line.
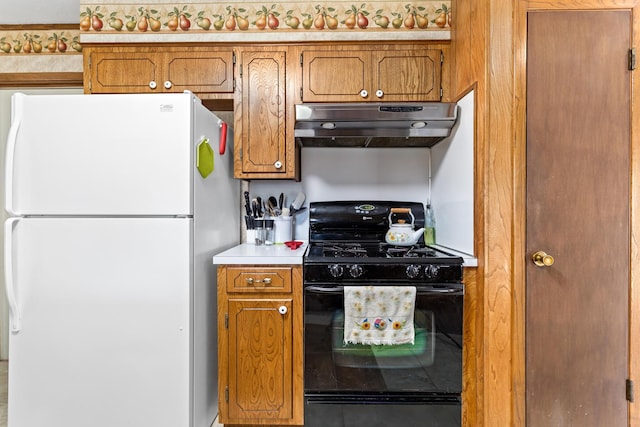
[542, 259]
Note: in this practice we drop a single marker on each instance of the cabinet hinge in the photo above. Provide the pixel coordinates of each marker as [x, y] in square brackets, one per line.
[240, 70]
[441, 58]
[226, 320]
[301, 59]
[441, 93]
[226, 394]
[632, 58]
[300, 93]
[630, 390]
[233, 58]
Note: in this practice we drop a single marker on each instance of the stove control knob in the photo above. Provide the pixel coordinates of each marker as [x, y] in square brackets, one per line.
[431, 271]
[336, 270]
[413, 271]
[356, 271]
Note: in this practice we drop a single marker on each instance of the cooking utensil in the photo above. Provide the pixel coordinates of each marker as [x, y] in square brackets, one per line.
[297, 211]
[272, 206]
[298, 201]
[255, 207]
[281, 201]
[259, 199]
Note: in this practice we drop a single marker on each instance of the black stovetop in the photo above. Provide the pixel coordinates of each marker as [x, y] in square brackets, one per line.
[347, 244]
[372, 252]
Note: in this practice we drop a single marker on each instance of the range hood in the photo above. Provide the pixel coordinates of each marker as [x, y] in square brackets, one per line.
[374, 124]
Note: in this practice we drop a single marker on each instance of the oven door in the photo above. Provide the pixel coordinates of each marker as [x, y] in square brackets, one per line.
[386, 384]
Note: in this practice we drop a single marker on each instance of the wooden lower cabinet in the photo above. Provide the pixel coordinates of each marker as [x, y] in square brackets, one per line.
[260, 345]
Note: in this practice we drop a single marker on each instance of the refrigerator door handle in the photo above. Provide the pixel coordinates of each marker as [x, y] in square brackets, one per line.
[14, 313]
[12, 139]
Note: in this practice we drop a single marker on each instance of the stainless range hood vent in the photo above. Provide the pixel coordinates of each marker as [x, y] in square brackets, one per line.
[374, 124]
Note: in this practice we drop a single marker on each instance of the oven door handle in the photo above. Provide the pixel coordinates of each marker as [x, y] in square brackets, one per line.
[420, 290]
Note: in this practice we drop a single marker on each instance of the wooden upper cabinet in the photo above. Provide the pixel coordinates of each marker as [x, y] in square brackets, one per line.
[262, 149]
[201, 70]
[364, 73]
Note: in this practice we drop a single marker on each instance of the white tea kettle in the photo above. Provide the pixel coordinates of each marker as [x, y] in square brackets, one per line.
[400, 233]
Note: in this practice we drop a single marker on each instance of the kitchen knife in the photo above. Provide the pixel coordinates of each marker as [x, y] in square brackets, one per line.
[254, 206]
[247, 203]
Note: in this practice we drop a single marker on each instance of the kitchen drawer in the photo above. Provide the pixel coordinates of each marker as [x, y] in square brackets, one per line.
[261, 279]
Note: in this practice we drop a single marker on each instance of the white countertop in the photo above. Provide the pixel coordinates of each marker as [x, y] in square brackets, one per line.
[467, 259]
[263, 254]
[281, 254]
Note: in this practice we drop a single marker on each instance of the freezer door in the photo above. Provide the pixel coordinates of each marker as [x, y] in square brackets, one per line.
[101, 154]
[104, 338]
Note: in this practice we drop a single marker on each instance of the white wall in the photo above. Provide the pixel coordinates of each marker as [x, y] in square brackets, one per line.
[40, 11]
[5, 123]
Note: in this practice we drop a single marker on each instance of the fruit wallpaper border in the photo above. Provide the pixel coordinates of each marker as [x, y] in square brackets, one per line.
[57, 47]
[40, 39]
[164, 16]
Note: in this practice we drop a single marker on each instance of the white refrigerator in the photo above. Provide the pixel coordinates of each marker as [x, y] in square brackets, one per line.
[117, 204]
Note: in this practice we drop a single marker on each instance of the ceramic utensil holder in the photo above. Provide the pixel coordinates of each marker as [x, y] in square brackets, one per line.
[283, 226]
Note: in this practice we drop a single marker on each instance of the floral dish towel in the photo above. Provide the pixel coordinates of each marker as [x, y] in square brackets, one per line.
[375, 315]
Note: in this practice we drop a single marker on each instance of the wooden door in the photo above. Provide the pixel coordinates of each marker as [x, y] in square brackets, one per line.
[260, 112]
[407, 75]
[260, 360]
[578, 182]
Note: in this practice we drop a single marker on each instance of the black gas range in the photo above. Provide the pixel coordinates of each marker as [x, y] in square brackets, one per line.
[347, 244]
[357, 385]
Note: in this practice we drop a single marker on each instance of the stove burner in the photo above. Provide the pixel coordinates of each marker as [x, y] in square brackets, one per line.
[409, 251]
[352, 250]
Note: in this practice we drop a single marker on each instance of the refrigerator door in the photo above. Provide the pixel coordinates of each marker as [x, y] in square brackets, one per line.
[101, 154]
[105, 333]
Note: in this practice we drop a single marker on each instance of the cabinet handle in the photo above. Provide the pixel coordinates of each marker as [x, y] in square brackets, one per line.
[379, 93]
[364, 93]
[266, 280]
[152, 84]
[167, 84]
[282, 309]
[278, 164]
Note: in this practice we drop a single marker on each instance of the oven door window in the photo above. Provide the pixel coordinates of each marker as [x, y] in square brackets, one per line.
[430, 366]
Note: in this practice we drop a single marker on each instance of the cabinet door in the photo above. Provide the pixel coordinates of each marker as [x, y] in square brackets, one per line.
[260, 113]
[336, 76]
[407, 75]
[260, 360]
[200, 71]
[125, 72]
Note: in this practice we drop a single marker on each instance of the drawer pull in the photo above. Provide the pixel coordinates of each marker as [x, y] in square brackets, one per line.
[282, 309]
[266, 280]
